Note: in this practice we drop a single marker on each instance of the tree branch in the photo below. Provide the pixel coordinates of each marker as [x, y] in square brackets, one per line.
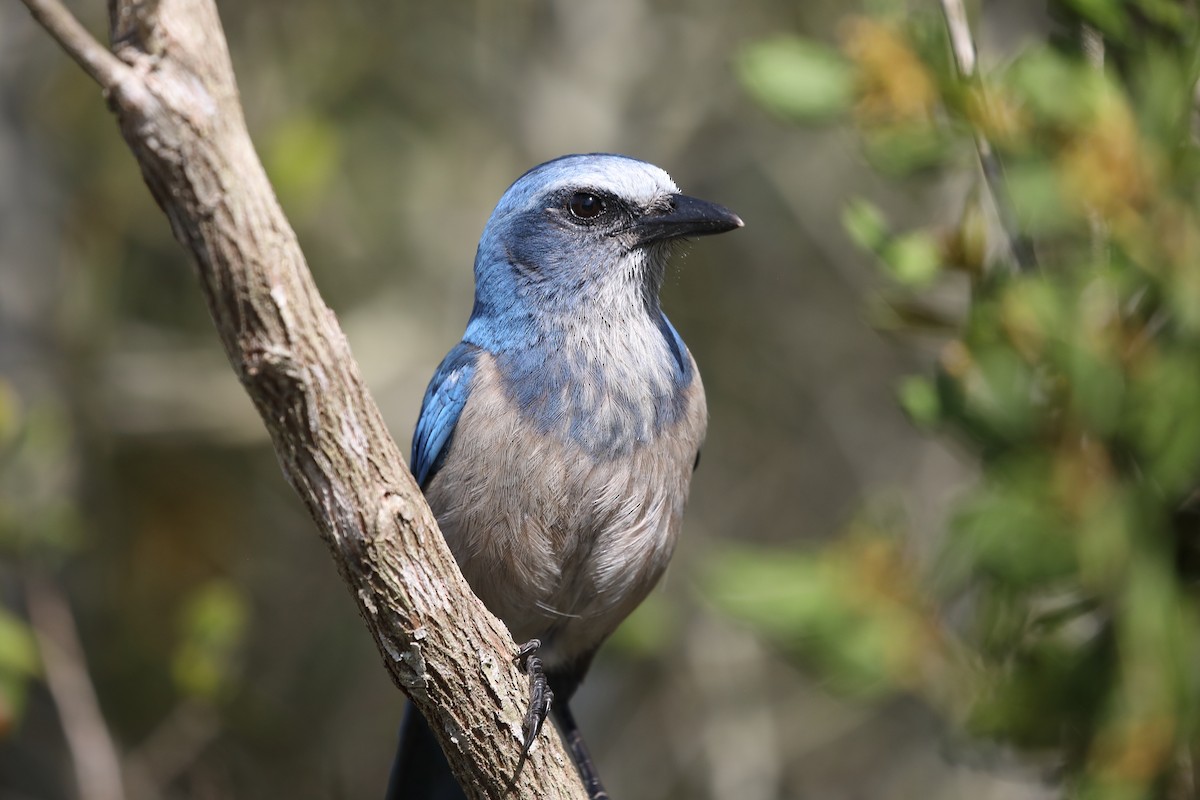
[963, 46]
[93, 753]
[177, 106]
[961, 42]
[103, 67]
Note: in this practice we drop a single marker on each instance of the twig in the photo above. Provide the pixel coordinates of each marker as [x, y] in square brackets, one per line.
[97, 61]
[93, 753]
[960, 36]
[1092, 42]
[963, 47]
[1093, 46]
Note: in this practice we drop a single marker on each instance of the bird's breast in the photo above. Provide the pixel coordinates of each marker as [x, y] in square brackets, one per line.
[609, 384]
[564, 517]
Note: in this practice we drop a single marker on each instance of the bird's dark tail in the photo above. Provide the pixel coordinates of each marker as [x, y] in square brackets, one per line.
[579, 752]
[420, 771]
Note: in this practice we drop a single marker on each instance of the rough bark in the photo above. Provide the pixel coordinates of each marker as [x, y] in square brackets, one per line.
[172, 88]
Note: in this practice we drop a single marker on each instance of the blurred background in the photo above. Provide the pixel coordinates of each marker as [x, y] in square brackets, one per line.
[150, 551]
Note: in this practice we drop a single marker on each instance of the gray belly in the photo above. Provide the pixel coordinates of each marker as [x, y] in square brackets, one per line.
[560, 545]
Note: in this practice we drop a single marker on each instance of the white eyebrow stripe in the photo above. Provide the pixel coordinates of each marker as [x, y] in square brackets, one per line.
[632, 181]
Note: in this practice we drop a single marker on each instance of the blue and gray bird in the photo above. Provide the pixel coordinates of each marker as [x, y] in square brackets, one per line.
[557, 440]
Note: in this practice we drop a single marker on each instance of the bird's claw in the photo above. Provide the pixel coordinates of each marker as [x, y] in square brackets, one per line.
[540, 698]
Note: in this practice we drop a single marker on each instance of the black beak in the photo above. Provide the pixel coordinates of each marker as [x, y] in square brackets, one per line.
[687, 216]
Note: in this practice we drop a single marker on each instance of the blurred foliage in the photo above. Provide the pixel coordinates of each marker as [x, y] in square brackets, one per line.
[38, 516]
[213, 624]
[796, 78]
[651, 625]
[1061, 610]
[859, 616]
[34, 517]
[18, 665]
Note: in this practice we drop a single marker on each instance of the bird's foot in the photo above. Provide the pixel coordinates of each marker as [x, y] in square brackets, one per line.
[540, 698]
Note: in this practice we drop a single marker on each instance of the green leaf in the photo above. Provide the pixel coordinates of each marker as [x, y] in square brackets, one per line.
[1092, 355]
[14, 691]
[865, 224]
[1061, 90]
[1098, 390]
[776, 592]
[919, 399]
[913, 259]
[1112, 524]
[214, 623]
[1160, 92]
[1164, 422]
[18, 652]
[19, 663]
[1001, 396]
[1171, 13]
[1037, 198]
[817, 606]
[1040, 683]
[796, 78]
[1011, 531]
[1107, 15]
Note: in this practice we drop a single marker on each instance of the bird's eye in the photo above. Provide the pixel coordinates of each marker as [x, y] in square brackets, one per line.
[585, 205]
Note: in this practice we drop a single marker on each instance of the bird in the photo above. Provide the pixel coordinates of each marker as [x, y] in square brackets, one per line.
[557, 440]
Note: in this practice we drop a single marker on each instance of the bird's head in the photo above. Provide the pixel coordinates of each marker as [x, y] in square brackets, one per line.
[586, 232]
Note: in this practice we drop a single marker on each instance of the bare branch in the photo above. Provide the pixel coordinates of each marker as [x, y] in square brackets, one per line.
[1092, 41]
[965, 57]
[960, 36]
[93, 753]
[179, 111]
[96, 60]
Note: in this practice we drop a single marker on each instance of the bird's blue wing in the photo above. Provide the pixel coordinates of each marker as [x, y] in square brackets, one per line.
[443, 403]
